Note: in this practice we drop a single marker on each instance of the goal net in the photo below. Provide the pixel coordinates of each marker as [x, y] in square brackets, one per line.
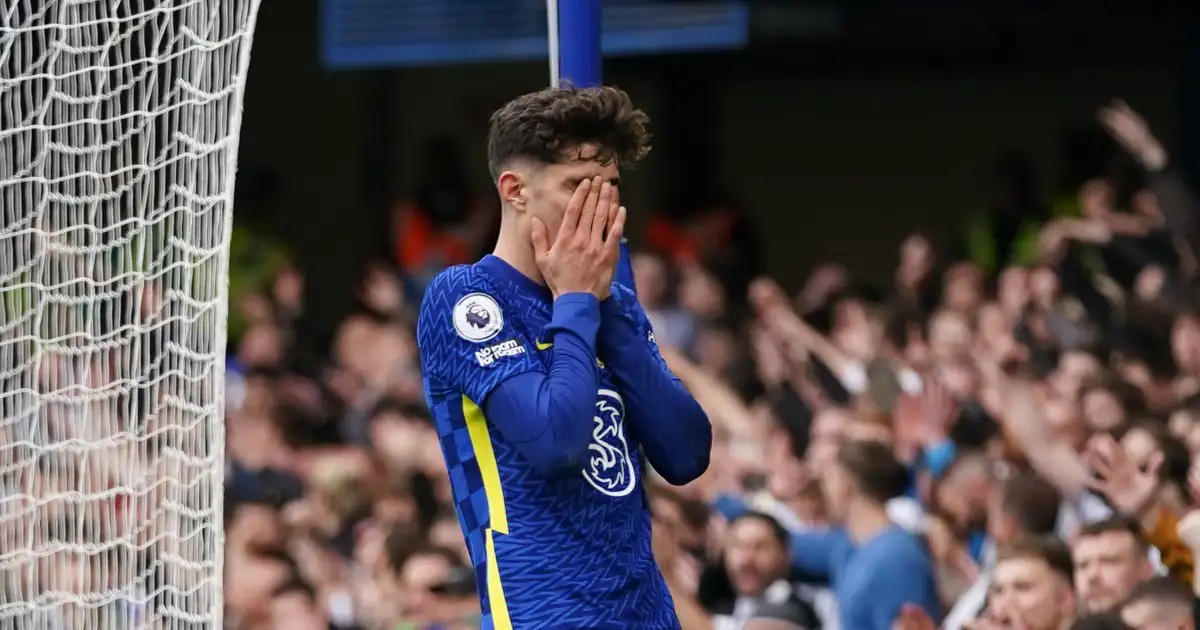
[119, 126]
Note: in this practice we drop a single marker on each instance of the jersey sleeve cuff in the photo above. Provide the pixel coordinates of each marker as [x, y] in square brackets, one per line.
[575, 300]
[578, 313]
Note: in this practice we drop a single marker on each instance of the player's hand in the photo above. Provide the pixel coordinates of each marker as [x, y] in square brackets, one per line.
[583, 257]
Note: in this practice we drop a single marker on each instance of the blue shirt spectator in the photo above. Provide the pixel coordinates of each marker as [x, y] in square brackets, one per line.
[871, 579]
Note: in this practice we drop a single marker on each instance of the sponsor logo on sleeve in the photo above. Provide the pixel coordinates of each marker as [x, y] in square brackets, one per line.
[489, 355]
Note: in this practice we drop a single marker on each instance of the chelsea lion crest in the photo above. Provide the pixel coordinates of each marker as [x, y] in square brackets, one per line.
[477, 317]
[609, 467]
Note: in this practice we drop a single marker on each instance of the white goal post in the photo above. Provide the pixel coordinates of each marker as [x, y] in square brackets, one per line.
[119, 124]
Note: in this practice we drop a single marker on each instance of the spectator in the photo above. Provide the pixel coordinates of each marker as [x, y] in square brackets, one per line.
[254, 580]
[293, 605]
[875, 567]
[1024, 506]
[673, 326]
[1159, 602]
[1111, 558]
[914, 287]
[1032, 585]
[757, 560]
[429, 586]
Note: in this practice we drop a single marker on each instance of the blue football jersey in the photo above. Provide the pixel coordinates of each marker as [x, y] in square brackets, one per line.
[565, 551]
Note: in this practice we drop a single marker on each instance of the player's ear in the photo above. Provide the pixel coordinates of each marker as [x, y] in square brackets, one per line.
[512, 189]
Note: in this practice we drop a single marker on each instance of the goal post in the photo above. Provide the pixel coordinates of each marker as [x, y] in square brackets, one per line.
[575, 43]
[119, 123]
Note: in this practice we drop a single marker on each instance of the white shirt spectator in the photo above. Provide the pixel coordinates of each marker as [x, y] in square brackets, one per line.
[1071, 516]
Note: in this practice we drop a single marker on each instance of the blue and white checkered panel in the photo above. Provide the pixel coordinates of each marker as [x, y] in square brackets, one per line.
[383, 33]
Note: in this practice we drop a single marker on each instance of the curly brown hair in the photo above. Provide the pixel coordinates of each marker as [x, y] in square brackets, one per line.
[544, 126]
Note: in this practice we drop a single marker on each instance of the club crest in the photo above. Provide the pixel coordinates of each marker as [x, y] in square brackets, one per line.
[610, 466]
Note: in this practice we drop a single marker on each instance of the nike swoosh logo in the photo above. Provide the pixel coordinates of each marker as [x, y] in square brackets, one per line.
[546, 346]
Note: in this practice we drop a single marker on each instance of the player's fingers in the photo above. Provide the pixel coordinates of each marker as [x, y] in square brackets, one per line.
[616, 229]
[615, 204]
[541, 245]
[588, 212]
[612, 218]
[602, 218]
[574, 209]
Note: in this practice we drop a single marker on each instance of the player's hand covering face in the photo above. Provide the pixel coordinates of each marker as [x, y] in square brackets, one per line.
[549, 187]
[583, 255]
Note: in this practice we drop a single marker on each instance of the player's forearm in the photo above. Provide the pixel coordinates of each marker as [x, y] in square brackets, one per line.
[671, 426]
[548, 417]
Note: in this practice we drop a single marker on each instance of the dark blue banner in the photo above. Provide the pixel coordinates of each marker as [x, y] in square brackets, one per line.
[395, 33]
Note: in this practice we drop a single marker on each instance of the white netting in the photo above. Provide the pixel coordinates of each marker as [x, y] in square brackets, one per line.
[118, 143]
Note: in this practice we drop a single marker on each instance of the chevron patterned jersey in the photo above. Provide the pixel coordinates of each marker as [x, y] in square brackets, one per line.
[564, 551]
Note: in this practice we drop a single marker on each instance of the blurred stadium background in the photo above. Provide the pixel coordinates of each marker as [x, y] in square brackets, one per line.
[822, 117]
[790, 135]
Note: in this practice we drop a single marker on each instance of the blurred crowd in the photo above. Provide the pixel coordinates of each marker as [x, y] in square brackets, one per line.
[1023, 404]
